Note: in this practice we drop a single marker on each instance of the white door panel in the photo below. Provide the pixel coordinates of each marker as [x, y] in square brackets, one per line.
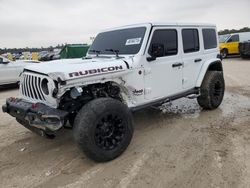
[191, 70]
[163, 79]
[192, 60]
[163, 76]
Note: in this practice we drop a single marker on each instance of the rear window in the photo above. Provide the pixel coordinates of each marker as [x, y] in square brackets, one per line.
[209, 38]
[190, 39]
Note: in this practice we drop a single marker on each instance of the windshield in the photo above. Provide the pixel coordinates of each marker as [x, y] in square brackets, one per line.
[223, 38]
[125, 41]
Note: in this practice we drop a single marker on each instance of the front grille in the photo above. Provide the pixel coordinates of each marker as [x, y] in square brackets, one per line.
[247, 46]
[241, 46]
[244, 47]
[31, 87]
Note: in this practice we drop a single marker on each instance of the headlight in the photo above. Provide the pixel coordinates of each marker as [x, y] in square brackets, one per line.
[45, 87]
[76, 92]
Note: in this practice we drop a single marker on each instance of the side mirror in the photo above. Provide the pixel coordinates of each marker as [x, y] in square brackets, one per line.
[151, 58]
[156, 50]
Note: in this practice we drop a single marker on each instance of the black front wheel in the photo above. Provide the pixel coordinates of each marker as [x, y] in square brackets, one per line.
[103, 129]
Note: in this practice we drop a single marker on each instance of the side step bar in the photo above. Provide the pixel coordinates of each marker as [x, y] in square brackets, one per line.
[195, 92]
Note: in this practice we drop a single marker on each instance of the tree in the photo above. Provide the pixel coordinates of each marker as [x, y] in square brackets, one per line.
[227, 31]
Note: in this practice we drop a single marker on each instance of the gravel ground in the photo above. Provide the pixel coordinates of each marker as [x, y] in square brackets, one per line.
[182, 147]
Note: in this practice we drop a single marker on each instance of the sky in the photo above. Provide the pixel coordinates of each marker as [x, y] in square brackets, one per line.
[37, 23]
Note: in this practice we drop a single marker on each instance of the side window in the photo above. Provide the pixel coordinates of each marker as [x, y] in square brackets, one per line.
[166, 40]
[234, 38]
[190, 39]
[209, 38]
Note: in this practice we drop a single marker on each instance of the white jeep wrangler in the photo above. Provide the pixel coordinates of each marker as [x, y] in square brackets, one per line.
[126, 69]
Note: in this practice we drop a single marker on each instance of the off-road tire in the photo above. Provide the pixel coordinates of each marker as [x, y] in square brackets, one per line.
[212, 90]
[224, 53]
[94, 124]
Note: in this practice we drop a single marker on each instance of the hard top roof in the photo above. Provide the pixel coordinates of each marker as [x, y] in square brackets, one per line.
[184, 24]
[168, 24]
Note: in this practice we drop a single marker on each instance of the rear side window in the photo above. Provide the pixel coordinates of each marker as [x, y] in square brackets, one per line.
[166, 37]
[190, 38]
[209, 38]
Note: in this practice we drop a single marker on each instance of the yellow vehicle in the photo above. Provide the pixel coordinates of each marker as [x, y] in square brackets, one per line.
[229, 44]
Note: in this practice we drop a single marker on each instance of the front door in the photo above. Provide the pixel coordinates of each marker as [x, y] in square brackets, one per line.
[233, 44]
[163, 76]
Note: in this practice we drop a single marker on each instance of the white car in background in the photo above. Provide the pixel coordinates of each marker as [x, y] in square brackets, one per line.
[10, 71]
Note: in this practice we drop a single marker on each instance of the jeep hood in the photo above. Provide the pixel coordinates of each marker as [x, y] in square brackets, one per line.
[67, 69]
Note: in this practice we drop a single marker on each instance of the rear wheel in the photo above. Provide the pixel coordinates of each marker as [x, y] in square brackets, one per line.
[212, 90]
[103, 129]
[224, 53]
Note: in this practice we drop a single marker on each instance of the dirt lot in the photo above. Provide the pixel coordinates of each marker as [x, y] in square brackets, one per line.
[183, 147]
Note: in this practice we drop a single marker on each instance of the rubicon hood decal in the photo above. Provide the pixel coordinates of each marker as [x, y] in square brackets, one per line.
[96, 71]
[79, 68]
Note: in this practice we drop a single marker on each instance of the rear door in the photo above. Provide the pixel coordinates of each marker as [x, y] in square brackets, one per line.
[191, 55]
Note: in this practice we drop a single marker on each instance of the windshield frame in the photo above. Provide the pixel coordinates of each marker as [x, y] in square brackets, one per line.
[143, 43]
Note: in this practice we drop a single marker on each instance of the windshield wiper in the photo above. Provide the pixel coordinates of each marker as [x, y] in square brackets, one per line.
[97, 52]
[116, 52]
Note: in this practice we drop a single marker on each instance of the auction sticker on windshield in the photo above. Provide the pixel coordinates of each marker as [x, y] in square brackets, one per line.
[133, 41]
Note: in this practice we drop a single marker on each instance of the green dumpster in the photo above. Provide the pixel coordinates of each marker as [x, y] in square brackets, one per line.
[74, 51]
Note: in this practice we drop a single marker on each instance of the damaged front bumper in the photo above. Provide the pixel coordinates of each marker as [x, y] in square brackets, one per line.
[37, 117]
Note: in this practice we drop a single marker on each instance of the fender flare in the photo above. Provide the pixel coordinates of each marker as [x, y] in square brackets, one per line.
[213, 65]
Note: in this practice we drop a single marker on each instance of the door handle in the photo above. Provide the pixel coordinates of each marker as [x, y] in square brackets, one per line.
[197, 60]
[177, 65]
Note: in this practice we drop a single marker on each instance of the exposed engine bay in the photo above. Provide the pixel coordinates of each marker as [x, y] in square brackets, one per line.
[73, 100]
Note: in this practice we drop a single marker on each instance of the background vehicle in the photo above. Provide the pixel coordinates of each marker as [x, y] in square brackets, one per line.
[229, 44]
[10, 71]
[47, 56]
[244, 49]
[126, 69]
